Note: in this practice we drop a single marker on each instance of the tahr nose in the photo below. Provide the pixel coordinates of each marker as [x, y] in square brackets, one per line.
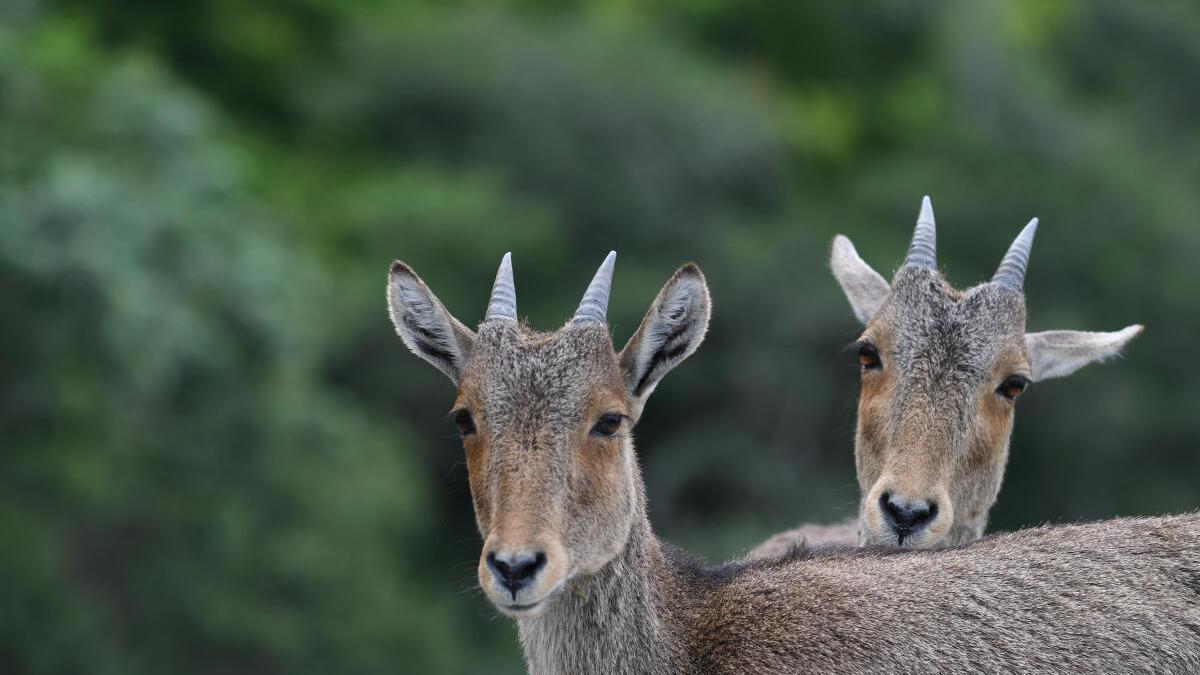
[906, 516]
[515, 571]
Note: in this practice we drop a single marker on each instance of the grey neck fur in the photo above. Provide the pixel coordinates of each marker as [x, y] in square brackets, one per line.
[621, 619]
[609, 622]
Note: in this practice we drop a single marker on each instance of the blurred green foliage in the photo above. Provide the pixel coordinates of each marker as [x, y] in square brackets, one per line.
[218, 458]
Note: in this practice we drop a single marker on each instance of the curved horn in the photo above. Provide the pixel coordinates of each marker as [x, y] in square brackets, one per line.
[1011, 273]
[503, 305]
[922, 252]
[594, 306]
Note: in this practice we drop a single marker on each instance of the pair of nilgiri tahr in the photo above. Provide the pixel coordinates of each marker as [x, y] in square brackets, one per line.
[547, 420]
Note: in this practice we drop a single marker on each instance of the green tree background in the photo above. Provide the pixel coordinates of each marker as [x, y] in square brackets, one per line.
[216, 457]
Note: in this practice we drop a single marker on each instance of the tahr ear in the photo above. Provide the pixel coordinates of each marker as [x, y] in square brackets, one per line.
[424, 324]
[865, 288]
[1058, 353]
[672, 329]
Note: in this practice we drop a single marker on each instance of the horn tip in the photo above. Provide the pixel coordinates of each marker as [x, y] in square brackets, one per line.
[505, 269]
[595, 299]
[926, 210]
[610, 262]
[503, 303]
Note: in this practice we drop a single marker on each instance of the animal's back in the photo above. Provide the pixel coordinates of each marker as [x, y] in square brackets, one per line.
[1114, 596]
[838, 534]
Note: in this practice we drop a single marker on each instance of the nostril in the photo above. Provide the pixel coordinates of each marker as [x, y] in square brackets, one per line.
[891, 509]
[925, 516]
[534, 566]
[516, 570]
[905, 516]
[499, 567]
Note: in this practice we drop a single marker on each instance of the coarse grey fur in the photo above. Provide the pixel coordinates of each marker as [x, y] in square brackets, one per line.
[933, 423]
[1114, 597]
[1120, 596]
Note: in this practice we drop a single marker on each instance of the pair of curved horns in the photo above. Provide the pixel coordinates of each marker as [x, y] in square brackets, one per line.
[922, 252]
[592, 309]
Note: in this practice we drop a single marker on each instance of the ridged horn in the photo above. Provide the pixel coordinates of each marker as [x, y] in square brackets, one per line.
[1011, 273]
[503, 304]
[594, 306]
[922, 252]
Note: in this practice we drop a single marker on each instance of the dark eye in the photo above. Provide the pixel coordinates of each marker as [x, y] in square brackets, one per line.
[868, 356]
[1013, 386]
[464, 422]
[608, 425]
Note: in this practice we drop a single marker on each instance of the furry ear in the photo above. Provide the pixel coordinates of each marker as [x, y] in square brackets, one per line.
[1058, 353]
[672, 329]
[424, 325]
[865, 288]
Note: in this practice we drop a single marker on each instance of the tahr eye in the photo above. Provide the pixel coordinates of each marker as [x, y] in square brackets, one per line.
[1013, 386]
[608, 425]
[868, 356]
[464, 422]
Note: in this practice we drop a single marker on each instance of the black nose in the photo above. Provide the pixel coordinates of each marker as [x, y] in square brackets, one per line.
[515, 571]
[906, 516]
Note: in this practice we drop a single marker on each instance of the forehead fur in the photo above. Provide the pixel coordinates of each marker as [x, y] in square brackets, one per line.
[936, 329]
[513, 364]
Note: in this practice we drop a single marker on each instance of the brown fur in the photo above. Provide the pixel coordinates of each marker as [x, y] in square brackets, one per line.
[1113, 597]
[932, 425]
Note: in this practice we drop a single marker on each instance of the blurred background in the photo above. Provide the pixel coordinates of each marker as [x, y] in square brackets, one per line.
[215, 455]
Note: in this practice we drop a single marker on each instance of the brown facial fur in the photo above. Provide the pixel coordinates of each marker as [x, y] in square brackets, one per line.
[540, 481]
[546, 418]
[931, 425]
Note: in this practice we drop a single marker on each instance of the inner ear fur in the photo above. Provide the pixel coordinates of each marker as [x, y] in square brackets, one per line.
[424, 324]
[672, 329]
[1058, 353]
